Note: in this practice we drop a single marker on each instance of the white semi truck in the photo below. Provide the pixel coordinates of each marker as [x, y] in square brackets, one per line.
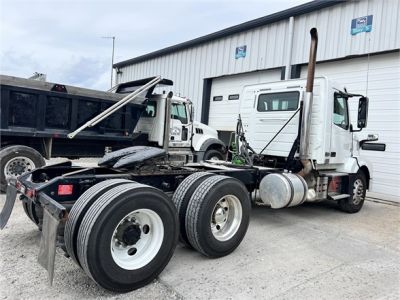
[118, 223]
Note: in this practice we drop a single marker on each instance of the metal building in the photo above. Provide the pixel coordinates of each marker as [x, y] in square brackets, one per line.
[359, 45]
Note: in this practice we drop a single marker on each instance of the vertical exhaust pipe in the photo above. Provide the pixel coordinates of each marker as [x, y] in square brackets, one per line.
[167, 121]
[307, 106]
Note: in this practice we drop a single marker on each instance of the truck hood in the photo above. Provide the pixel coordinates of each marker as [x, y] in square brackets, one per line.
[206, 129]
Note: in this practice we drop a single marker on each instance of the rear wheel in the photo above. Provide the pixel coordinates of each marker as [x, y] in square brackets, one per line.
[127, 237]
[182, 197]
[79, 209]
[218, 216]
[355, 202]
[17, 160]
[34, 212]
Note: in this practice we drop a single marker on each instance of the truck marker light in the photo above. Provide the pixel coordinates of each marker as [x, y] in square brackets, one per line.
[65, 189]
[30, 193]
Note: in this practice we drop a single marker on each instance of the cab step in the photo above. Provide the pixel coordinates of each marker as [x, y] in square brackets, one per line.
[337, 196]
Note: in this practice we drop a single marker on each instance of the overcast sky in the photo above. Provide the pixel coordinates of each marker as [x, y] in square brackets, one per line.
[63, 38]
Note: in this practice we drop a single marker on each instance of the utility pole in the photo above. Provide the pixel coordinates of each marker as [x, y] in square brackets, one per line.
[112, 56]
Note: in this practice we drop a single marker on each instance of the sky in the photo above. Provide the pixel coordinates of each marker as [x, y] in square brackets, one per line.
[63, 39]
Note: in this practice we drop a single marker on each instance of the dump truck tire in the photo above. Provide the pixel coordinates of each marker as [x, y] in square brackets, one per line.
[79, 210]
[355, 202]
[213, 154]
[181, 199]
[127, 237]
[218, 216]
[17, 160]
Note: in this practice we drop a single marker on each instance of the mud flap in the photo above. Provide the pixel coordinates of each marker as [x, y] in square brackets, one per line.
[8, 206]
[47, 251]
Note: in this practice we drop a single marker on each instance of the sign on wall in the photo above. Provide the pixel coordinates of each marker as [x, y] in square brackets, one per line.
[240, 51]
[362, 24]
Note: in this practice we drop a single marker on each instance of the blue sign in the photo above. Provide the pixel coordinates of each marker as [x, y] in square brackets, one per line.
[362, 24]
[240, 51]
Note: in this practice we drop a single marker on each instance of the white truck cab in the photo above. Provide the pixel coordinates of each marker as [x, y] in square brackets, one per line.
[301, 129]
[267, 107]
[187, 138]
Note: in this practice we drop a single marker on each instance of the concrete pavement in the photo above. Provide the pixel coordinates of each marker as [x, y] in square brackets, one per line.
[311, 251]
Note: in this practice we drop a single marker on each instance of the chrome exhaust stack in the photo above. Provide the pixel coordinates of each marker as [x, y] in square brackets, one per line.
[307, 107]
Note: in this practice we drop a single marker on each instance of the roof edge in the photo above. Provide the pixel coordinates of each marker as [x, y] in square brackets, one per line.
[272, 18]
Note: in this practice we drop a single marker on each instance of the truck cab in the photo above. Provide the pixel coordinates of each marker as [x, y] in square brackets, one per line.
[266, 108]
[273, 118]
[189, 140]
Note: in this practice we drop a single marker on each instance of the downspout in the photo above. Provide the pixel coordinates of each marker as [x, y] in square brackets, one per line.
[289, 49]
[305, 157]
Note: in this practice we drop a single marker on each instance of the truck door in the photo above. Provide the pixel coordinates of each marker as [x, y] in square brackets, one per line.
[341, 141]
[180, 126]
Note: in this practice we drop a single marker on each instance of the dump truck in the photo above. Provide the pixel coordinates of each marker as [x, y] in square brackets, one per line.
[121, 221]
[36, 118]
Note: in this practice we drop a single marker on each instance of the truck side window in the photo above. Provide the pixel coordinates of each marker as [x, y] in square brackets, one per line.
[178, 112]
[340, 111]
[151, 109]
[285, 101]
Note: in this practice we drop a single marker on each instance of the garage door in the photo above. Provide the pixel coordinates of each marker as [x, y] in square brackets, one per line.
[384, 112]
[225, 97]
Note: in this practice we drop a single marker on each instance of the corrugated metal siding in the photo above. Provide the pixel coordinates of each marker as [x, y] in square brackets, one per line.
[266, 47]
[384, 110]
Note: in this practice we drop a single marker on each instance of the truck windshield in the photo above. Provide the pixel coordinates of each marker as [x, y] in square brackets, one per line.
[178, 112]
[340, 111]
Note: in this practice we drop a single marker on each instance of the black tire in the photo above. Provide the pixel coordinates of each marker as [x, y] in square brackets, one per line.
[79, 210]
[202, 208]
[182, 197]
[355, 202]
[213, 154]
[11, 152]
[34, 212]
[103, 220]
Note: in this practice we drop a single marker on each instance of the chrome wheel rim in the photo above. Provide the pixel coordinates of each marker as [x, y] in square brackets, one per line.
[226, 217]
[358, 191]
[17, 166]
[137, 239]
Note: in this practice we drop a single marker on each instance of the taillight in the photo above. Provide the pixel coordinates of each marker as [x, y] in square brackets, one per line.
[65, 189]
[30, 193]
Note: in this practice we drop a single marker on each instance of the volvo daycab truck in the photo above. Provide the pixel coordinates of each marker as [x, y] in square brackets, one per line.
[121, 221]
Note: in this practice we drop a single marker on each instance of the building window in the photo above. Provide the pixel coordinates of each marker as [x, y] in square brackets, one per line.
[285, 101]
[218, 98]
[233, 97]
[340, 111]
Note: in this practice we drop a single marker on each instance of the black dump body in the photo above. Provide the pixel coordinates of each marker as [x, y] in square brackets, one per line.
[41, 114]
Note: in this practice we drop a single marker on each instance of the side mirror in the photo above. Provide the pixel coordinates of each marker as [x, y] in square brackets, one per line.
[362, 112]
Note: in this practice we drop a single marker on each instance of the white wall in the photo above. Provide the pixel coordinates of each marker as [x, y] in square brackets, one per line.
[384, 110]
[266, 46]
